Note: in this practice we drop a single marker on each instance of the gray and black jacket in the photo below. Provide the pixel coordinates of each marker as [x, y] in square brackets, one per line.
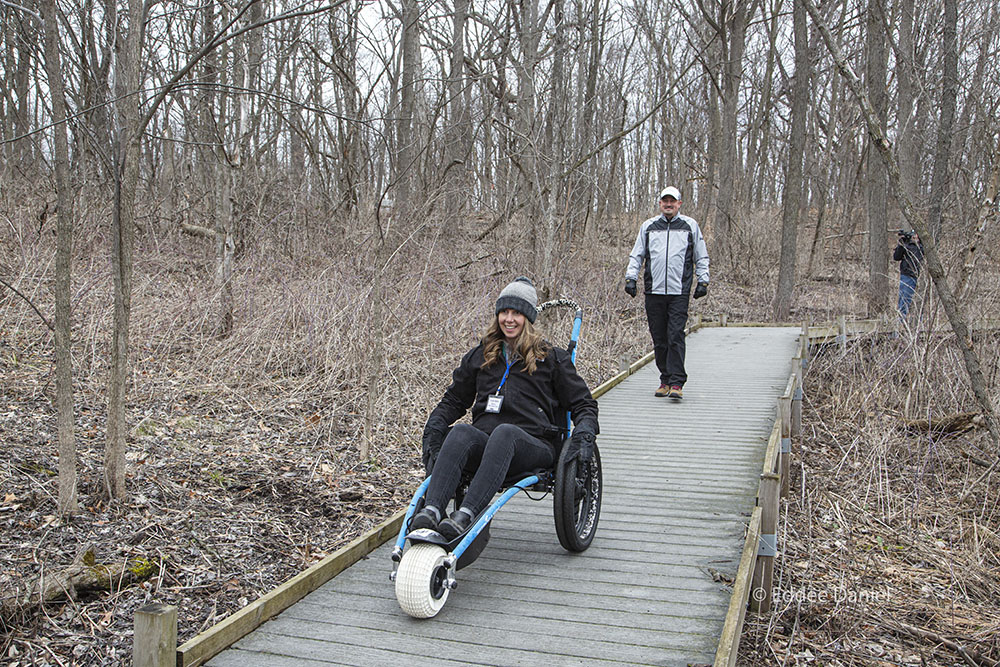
[673, 252]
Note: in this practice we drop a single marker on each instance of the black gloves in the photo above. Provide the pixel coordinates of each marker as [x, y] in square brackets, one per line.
[581, 443]
[630, 287]
[701, 290]
[434, 434]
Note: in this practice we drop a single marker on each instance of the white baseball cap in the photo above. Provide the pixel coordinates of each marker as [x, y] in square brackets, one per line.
[671, 192]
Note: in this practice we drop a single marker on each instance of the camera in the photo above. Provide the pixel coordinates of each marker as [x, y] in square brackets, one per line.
[905, 236]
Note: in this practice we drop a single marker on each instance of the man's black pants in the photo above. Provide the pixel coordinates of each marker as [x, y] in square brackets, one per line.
[667, 316]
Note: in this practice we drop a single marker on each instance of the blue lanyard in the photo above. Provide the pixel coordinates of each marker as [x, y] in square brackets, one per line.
[506, 372]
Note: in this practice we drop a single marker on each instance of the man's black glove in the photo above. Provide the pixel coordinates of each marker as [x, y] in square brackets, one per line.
[701, 290]
[630, 287]
[581, 443]
[434, 434]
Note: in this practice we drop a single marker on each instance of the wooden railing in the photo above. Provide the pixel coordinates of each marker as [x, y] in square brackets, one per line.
[753, 584]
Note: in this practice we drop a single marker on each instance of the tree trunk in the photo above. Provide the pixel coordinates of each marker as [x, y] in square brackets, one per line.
[64, 263]
[406, 143]
[791, 202]
[941, 180]
[875, 183]
[26, 37]
[591, 30]
[707, 203]
[552, 149]
[906, 119]
[729, 172]
[459, 140]
[758, 141]
[128, 136]
[987, 215]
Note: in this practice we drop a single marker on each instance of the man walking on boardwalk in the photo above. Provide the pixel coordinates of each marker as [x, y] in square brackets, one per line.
[673, 251]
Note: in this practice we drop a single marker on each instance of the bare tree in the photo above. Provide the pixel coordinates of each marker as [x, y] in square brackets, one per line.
[64, 264]
[733, 20]
[127, 137]
[21, 37]
[876, 179]
[941, 181]
[906, 106]
[791, 201]
[458, 137]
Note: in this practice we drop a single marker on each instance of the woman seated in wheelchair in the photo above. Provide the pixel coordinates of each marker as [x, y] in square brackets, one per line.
[519, 387]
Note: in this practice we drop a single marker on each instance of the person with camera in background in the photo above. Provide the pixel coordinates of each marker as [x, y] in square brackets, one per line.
[673, 251]
[909, 253]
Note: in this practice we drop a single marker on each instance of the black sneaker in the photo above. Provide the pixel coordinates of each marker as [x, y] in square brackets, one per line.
[428, 517]
[456, 524]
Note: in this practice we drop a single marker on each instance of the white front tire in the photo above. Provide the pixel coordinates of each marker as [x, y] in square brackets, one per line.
[420, 580]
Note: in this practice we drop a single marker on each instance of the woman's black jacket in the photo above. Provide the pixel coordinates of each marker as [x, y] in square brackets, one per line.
[537, 402]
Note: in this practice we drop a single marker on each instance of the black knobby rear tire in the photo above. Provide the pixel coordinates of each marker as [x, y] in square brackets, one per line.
[577, 500]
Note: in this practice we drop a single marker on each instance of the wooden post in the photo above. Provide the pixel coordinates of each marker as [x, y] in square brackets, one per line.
[763, 574]
[842, 333]
[724, 319]
[804, 345]
[154, 643]
[696, 321]
[785, 458]
[797, 396]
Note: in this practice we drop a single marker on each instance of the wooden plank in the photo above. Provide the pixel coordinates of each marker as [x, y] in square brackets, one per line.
[732, 630]
[785, 419]
[351, 597]
[205, 645]
[773, 448]
[797, 365]
[478, 624]
[608, 385]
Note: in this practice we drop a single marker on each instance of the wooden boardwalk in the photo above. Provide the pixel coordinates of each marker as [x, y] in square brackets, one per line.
[680, 483]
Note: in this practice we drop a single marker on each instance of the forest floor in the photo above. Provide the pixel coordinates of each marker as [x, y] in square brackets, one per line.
[223, 506]
[243, 465]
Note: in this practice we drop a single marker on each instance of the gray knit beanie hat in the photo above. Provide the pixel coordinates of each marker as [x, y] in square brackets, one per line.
[519, 295]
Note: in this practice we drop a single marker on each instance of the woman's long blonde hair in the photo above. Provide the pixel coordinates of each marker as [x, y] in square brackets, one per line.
[530, 345]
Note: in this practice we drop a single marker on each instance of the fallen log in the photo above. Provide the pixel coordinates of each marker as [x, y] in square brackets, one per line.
[83, 575]
[957, 423]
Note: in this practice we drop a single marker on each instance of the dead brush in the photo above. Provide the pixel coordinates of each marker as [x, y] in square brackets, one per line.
[881, 564]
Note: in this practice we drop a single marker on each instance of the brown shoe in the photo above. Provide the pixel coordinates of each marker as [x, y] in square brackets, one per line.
[676, 392]
[662, 391]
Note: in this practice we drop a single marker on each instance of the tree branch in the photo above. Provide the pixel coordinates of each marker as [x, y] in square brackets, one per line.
[29, 302]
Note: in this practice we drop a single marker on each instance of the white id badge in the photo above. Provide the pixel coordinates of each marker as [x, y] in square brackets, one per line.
[493, 403]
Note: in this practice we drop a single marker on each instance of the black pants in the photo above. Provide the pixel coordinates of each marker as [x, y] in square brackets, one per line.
[507, 448]
[667, 316]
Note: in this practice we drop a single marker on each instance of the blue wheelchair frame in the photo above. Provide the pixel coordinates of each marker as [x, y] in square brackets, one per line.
[465, 548]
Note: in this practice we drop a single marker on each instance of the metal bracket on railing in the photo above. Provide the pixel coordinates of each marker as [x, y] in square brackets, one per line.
[797, 396]
[786, 445]
[767, 545]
